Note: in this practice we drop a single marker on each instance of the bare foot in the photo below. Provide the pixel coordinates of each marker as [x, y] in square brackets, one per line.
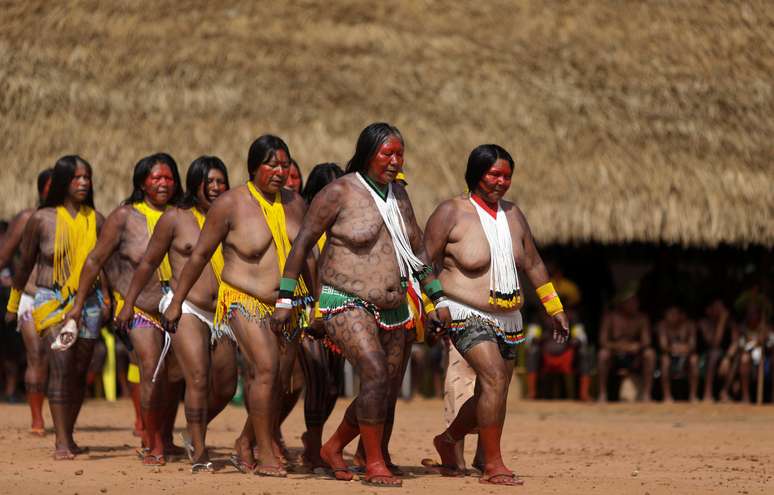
[500, 476]
[63, 454]
[336, 461]
[377, 474]
[445, 445]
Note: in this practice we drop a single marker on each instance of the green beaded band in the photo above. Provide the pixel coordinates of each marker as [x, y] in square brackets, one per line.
[433, 288]
[288, 284]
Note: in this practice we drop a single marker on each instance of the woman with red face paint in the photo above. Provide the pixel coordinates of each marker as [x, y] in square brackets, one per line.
[58, 237]
[37, 361]
[477, 241]
[372, 238]
[120, 248]
[255, 224]
[175, 236]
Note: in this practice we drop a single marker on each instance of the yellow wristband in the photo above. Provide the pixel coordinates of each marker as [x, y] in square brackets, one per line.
[550, 299]
[13, 301]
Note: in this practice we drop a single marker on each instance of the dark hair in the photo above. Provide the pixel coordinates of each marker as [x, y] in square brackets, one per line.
[368, 144]
[197, 173]
[43, 178]
[294, 163]
[262, 150]
[481, 159]
[61, 176]
[143, 169]
[320, 176]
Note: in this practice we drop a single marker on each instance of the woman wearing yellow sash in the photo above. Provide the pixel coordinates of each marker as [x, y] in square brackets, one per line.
[59, 236]
[20, 307]
[255, 224]
[175, 236]
[120, 247]
[478, 240]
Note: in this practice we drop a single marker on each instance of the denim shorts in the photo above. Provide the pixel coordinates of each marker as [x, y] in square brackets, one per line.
[91, 319]
[474, 330]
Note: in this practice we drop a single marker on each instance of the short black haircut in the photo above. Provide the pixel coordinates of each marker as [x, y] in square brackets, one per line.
[197, 173]
[262, 150]
[481, 159]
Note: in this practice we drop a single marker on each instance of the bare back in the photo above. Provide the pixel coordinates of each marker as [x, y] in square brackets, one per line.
[359, 257]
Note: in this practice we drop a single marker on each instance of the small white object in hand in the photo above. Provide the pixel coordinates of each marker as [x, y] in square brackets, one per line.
[66, 337]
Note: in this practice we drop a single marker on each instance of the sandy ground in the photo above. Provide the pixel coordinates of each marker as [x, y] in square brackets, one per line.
[557, 447]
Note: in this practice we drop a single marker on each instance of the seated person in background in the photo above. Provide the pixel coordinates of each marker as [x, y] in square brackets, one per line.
[714, 335]
[545, 355]
[677, 340]
[624, 343]
[745, 353]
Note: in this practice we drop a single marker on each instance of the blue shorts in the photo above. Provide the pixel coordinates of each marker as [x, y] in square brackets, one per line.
[91, 319]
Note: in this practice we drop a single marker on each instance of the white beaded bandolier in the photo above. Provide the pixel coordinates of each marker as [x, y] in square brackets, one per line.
[504, 289]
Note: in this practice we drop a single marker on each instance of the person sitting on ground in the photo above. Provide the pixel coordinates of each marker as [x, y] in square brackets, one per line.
[677, 340]
[624, 343]
[746, 352]
[714, 336]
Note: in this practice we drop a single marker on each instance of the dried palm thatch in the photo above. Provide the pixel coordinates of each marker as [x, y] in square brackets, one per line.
[629, 122]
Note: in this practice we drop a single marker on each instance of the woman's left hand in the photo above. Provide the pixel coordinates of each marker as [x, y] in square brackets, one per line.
[561, 327]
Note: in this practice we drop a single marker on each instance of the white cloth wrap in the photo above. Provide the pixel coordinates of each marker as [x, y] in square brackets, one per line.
[26, 305]
[508, 322]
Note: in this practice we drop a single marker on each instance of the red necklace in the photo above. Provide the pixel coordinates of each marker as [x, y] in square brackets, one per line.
[483, 204]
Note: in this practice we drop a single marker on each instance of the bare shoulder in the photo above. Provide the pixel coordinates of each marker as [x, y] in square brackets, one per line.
[338, 189]
[293, 201]
[452, 208]
[23, 216]
[119, 215]
[229, 198]
[512, 210]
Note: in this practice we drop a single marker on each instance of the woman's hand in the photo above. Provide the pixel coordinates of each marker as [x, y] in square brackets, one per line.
[74, 314]
[561, 327]
[171, 316]
[124, 318]
[280, 320]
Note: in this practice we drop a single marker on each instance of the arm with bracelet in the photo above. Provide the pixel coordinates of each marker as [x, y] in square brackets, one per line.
[319, 217]
[538, 275]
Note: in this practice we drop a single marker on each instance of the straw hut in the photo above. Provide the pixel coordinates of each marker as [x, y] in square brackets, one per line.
[646, 122]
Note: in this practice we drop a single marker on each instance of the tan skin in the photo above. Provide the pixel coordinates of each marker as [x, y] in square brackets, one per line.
[677, 337]
[359, 258]
[176, 234]
[37, 363]
[752, 332]
[67, 368]
[123, 241]
[455, 241]
[237, 222]
[625, 330]
[713, 328]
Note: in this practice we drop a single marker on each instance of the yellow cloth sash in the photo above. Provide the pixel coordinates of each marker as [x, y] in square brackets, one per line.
[216, 261]
[74, 239]
[228, 295]
[275, 218]
[152, 217]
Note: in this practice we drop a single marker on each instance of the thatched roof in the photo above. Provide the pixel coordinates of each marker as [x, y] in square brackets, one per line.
[629, 122]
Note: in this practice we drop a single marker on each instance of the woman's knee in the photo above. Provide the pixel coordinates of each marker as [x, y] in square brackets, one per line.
[493, 378]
